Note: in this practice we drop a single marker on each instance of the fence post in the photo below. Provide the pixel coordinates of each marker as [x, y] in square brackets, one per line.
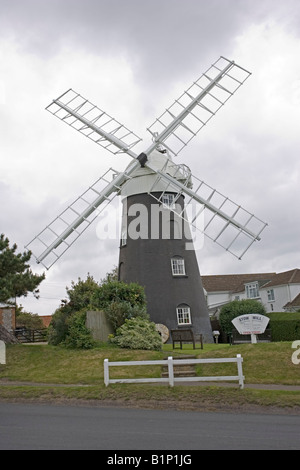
[106, 372]
[239, 361]
[2, 352]
[171, 371]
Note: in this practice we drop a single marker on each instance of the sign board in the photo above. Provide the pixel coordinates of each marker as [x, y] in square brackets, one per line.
[251, 324]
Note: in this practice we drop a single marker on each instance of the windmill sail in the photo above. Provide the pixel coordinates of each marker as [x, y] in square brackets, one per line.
[172, 130]
[50, 244]
[223, 221]
[197, 105]
[92, 122]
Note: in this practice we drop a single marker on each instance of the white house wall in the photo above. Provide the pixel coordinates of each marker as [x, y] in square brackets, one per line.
[282, 295]
[217, 299]
[294, 290]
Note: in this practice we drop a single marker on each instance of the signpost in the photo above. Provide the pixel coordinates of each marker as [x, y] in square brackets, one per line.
[251, 324]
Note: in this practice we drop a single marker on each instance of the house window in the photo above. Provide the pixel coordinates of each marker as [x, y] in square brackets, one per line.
[183, 315]
[252, 291]
[271, 295]
[178, 268]
[168, 200]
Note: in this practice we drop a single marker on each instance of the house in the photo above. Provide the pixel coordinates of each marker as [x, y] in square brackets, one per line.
[294, 305]
[278, 292]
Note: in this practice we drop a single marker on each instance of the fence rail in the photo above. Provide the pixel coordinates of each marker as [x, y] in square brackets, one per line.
[25, 335]
[173, 362]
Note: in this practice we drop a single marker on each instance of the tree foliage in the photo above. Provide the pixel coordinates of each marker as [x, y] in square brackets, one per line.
[78, 335]
[80, 294]
[120, 301]
[16, 277]
[117, 312]
[117, 291]
[27, 320]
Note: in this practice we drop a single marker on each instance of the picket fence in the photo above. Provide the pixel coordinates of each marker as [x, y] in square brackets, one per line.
[173, 362]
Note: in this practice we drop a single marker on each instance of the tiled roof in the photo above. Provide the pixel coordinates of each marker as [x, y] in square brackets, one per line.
[287, 277]
[236, 282]
[233, 282]
[294, 303]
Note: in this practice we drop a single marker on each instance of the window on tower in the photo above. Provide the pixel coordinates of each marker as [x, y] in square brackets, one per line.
[183, 315]
[123, 237]
[168, 200]
[178, 267]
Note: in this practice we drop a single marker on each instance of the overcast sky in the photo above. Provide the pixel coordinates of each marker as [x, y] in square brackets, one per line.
[133, 58]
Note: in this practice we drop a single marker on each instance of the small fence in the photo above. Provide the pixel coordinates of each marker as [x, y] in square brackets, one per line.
[173, 362]
[25, 335]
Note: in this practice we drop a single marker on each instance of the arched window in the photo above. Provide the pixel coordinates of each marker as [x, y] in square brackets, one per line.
[183, 314]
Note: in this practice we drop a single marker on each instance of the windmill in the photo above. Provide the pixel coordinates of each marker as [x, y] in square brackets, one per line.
[155, 250]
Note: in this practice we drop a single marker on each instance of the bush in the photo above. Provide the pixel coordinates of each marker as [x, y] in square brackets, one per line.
[78, 335]
[119, 300]
[116, 291]
[235, 309]
[118, 312]
[28, 320]
[137, 333]
[285, 326]
[58, 327]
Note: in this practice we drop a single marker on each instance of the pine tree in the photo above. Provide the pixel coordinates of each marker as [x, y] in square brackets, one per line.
[16, 277]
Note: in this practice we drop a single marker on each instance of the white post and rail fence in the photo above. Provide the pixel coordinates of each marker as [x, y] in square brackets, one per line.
[170, 362]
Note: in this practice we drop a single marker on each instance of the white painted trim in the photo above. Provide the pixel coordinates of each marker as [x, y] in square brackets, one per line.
[171, 363]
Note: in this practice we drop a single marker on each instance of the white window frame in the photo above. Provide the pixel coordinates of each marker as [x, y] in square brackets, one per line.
[178, 266]
[123, 238]
[167, 200]
[184, 315]
[252, 291]
[271, 295]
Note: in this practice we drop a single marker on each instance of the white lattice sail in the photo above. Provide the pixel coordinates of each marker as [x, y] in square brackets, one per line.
[91, 121]
[197, 105]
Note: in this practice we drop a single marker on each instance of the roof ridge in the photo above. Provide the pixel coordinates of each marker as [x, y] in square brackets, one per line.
[295, 271]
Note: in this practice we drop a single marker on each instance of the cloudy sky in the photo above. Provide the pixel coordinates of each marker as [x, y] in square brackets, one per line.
[133, 58]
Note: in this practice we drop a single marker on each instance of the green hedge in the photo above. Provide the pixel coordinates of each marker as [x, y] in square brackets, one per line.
[285, 326]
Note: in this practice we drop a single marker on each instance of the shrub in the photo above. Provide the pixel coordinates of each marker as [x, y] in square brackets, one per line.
[116, 291]
[137, 333]
[58, 327]
[119, 300]
[27, 319]
[78, 335]
[117, 312]
[285, 326]
[235, 309]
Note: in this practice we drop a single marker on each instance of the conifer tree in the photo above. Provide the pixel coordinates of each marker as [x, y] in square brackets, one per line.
[16, 277]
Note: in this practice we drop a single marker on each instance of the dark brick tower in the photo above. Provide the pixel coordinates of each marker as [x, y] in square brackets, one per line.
[156, 251]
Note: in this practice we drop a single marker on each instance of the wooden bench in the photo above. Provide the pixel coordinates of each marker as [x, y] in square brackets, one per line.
[185, 336]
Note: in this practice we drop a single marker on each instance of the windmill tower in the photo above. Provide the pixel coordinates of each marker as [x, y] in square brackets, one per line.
[156, 248]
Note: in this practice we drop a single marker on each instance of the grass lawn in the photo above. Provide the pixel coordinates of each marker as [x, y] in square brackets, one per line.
[264, 363]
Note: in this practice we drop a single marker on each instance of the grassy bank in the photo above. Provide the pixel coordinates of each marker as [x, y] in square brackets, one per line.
[55, 369]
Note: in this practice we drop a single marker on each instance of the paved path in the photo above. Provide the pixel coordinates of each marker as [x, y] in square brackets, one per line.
[44, 426]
